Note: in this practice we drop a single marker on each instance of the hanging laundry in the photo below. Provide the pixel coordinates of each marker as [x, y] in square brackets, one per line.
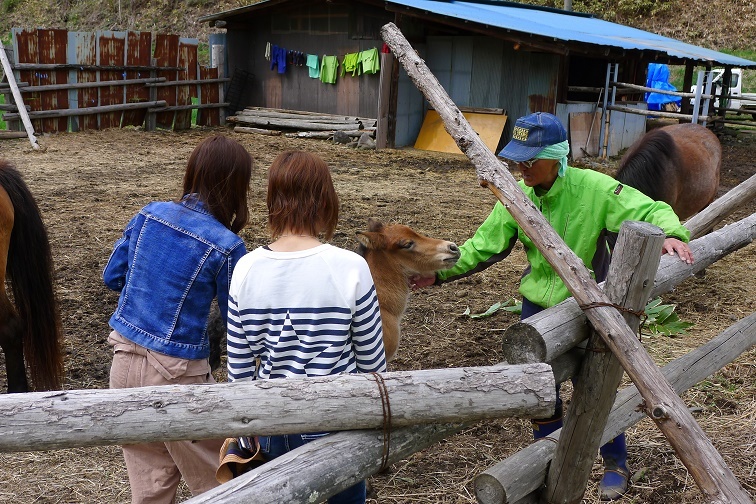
[278, 59]
[370, 61]
[329, 67]
[267, 51]
[313, 65]
[351, 63]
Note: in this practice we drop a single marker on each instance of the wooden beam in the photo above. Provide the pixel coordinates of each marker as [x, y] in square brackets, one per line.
[548, 334]
[17, 98]
[188, 107]
[188, 82]
[54, 420]
[664, 407]
[634, 263]
[42, 114]
[85, 85]
[73, 66]
[516, 478]
[322, 468]
[722, 207]
[659, 113]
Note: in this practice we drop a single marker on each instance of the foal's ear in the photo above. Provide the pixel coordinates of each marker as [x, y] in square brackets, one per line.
[367, 239]
[374, 224]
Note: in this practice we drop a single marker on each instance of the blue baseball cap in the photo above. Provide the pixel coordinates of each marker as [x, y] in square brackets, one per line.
[532, 134]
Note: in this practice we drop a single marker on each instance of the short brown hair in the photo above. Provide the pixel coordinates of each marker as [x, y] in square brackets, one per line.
[301, 196]
[219, 170]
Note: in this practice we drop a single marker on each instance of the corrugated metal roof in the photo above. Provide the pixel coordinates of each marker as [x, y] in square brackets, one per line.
[565, 26]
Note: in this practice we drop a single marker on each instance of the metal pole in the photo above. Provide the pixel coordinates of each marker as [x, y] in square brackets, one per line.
[697, 99]
[604, 110]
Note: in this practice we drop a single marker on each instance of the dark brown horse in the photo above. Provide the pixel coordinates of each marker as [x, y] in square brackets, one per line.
[678, 164]
[30, 325]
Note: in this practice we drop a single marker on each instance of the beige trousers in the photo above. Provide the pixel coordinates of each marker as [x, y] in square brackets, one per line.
[155, 469]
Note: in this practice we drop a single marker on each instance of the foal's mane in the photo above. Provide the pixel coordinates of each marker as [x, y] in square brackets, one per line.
[649, 164]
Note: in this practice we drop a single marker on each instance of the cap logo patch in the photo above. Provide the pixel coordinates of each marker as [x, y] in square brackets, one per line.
[521, 134]
[619, 189]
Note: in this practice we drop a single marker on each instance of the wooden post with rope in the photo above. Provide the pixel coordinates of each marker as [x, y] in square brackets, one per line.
[715, 480]
[629, 282]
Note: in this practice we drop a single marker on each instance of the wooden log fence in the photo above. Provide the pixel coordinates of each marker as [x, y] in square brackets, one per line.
[722, 207]
[550, 333]
[344, 458]
[715, 480]
[54, 420]
[518, 479]
[72, 78]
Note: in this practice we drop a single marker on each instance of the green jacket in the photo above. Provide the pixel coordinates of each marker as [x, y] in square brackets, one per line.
[582, 207]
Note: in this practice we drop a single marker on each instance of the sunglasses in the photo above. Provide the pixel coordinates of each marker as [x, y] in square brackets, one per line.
[529, 163]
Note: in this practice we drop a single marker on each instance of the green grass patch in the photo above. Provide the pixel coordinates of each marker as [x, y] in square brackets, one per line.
[3, 124]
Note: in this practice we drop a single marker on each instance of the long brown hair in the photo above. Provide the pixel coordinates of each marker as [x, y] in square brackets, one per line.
[301, 196]
[219, 170]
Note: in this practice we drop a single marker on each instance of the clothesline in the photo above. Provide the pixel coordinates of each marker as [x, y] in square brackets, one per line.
[327, 68]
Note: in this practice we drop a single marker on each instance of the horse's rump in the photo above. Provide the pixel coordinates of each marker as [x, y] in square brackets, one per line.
[678, 164]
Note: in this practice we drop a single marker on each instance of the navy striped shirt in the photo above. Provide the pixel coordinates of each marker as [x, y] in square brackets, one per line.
[307, 313]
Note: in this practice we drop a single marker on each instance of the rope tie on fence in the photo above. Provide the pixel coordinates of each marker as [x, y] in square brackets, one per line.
[386, 405]
[641, 314]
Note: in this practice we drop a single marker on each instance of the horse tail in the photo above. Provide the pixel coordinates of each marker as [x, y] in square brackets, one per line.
[648, 165]
[30, 272]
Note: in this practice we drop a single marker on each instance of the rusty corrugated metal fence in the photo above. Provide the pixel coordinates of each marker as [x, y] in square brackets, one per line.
[72, 81]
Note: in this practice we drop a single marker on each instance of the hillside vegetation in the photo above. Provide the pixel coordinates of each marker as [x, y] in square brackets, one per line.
[724, 25]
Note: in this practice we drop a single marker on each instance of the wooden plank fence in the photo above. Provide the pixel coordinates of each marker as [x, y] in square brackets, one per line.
[115, 74]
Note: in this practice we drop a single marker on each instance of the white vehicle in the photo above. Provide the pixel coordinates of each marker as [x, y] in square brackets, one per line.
[744, 103]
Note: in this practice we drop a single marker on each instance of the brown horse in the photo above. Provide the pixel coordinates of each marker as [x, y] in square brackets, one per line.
[678, 164]
[31, 329]
[394, 253]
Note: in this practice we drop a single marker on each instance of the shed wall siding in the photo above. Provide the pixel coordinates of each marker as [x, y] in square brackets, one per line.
[351, 95]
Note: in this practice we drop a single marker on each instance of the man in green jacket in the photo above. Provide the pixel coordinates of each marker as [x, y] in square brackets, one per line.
[582, 206]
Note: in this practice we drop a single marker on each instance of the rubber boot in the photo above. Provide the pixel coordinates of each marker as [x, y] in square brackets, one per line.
[542, 427]
[614, 483]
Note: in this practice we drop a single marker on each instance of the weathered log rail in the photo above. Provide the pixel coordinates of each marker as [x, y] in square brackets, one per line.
[54, 420]
[550, 333]
[518, 478]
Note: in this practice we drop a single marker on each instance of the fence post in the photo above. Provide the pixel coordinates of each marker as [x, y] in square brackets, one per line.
[149, 121]
[17, 97]
[634, 263]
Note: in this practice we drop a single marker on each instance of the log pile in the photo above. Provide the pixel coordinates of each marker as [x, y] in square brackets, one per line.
[299, 123]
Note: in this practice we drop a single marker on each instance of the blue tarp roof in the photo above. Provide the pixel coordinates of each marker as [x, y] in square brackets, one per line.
[566, 26]
[554, 24]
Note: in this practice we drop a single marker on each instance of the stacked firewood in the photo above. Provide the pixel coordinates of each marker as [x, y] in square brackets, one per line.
[302, 124]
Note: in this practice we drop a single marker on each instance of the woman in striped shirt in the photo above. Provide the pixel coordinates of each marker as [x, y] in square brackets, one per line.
[299, 307]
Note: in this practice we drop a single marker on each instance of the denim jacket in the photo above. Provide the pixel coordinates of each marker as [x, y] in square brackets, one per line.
[171, 261]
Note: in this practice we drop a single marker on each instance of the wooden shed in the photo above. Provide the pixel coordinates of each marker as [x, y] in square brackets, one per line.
[488, 55]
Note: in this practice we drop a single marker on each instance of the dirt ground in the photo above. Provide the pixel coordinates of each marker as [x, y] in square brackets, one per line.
[89, 184]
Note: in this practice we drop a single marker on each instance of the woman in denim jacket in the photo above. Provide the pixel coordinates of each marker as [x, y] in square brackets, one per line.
[173, 259]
